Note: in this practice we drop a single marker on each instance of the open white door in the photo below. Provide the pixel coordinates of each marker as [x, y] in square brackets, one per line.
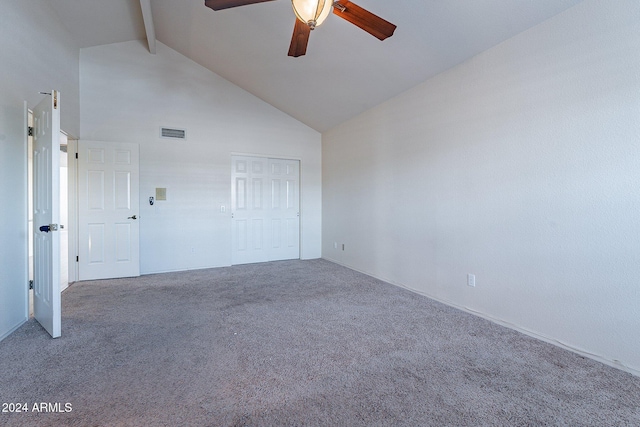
[46, 214]
[108, 202]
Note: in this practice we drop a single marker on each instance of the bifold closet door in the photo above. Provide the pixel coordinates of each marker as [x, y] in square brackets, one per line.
[265, 200]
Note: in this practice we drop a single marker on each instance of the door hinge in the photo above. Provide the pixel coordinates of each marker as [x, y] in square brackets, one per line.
[30, 284]
[76, 155]
[55, 99]
[30, 130]
[77, 259]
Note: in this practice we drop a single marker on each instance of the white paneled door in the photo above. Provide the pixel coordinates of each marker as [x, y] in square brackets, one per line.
[108, 204]
[46, 214]
[265, 200]
[284, 206]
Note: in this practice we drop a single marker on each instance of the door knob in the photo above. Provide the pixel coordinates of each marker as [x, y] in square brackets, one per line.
[49, 227]
[133, 217]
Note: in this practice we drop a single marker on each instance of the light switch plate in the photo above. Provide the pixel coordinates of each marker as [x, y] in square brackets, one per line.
[161, 194]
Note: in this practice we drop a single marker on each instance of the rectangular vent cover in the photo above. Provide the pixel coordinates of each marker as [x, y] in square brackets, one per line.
[173, 133]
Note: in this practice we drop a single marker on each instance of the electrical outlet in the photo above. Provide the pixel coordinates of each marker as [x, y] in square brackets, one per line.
[471, 280]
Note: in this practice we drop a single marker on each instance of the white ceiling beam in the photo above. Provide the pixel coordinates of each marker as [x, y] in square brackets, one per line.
[149, 28]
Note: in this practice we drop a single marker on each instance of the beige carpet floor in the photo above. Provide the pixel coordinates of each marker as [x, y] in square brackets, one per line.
[293, 343]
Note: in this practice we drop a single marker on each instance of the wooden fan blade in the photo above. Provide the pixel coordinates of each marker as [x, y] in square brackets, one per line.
[364, 19]
[300, 39]
[227, 4]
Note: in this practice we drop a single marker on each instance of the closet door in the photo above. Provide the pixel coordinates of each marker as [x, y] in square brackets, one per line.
[284, 209]
[248, 210]
[265, 200]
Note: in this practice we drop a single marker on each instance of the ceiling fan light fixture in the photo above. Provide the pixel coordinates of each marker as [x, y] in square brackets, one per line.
[312, 12]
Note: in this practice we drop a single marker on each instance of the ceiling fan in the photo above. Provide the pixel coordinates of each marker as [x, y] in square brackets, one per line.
[311, 13]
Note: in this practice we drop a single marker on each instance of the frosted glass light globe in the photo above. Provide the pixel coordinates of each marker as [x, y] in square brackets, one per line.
[312, 12]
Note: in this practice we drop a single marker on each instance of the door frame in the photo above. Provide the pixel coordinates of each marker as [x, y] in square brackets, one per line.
[27, 149]
[72, 196]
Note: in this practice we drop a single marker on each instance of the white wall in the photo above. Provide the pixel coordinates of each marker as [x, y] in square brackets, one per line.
[37, 54]
[522, 166]
[127, 94]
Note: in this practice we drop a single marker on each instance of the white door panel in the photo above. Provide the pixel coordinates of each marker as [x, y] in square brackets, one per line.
[247, 201]
[285, 209]
[265, 209]
[46, 214]
[108, 202]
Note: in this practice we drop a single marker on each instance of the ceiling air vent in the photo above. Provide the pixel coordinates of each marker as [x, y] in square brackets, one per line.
[173, 133]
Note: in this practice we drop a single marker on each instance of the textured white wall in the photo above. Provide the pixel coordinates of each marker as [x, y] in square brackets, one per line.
[127, 94]
[36, 54]
[522, 166]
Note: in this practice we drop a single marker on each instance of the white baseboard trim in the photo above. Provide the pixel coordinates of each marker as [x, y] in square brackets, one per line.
[13, 328]
[613, 363]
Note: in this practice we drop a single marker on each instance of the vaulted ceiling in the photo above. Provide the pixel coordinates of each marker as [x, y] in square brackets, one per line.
[345, 71]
